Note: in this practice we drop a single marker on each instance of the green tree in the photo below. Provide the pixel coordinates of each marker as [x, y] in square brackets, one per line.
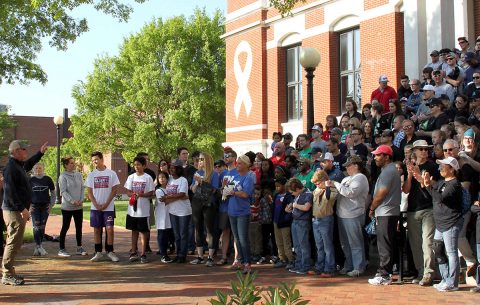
[285, 6]
[165, 88]
[24, 23]
[6, 122]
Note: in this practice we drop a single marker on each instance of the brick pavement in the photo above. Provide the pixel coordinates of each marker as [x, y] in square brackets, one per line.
[76, 280]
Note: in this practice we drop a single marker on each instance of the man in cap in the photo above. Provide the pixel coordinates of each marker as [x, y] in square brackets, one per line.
[327, 165]
[435, 64]
[305, 173]
[423, 111]
[384, 93]
[385, 207]
[474, 85]
[421, 225]
[317, 131]
[317, 154]
[16, 204]
[454, 75]
[437, 119]
[387, 139]
[464, 44]
[287, 140]
[337, 134]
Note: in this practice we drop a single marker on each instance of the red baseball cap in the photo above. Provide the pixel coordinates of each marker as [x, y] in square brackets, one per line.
[383, 149]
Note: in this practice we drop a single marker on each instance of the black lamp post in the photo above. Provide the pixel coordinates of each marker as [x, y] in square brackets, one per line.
[58, 121]
[309, 59]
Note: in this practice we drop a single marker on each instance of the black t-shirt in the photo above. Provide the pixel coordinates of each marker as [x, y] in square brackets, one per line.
[447, 203]
[438, 122]
[41, 188]
[361, 150]
[467, 173]
[418, 198]
[339, 160]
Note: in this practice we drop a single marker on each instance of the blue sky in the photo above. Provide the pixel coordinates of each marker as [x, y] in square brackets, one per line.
[64, 69]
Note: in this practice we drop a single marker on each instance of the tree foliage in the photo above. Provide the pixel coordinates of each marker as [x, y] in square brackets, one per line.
[165, 88]
[24, 23]
[285, 6]
[6, 122]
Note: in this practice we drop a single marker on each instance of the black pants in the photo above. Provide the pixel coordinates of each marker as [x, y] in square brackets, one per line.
[386, 232]
[2, 226]
[269, 245]
[66, 219]
[204, 220]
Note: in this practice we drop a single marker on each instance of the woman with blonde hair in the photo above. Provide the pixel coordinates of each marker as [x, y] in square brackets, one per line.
[204, 206]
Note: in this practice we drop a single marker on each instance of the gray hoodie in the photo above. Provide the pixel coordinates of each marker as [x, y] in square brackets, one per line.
[71, 189]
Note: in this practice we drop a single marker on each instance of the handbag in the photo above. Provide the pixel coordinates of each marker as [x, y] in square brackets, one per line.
[371, 227]
[203, 195]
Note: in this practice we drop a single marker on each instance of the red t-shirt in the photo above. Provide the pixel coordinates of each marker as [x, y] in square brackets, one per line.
[384, 97]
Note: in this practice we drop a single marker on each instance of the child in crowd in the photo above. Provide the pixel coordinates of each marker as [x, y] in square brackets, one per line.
[282, 222]
[162, 217]
[301, 225]
[276, 137]
[255, 227]
[265, 219]
[323, 200]
[140, 188]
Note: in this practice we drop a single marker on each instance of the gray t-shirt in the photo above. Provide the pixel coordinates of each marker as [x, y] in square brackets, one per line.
[390, 179]
[320, 144]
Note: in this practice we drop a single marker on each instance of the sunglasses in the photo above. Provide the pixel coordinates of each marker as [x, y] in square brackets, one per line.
[408, 127]
[449, 59]
[422, 149]
[351, 124]
[476, 77]
[448, 149]
[226, 156]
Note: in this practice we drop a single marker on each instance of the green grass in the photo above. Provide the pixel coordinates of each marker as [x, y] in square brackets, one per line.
[120, 212]
[27, 237]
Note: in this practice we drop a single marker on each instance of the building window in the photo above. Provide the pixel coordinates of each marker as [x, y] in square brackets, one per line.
[294, 84]
[350, 76]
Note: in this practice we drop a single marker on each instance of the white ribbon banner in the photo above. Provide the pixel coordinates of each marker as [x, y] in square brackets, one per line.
[242, 76]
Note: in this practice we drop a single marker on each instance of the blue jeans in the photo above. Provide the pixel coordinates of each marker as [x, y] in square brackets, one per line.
[351, 240]
[240, 226]
[162, 240]
[180, 230]
[478, 266]
[323, 234]
[39, 221]
[301, 244]
[451, 270]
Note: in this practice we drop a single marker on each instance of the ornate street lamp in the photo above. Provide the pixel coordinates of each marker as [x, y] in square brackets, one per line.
[58, 121]
[309, 59]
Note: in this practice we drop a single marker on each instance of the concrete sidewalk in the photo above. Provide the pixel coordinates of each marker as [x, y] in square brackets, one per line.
[76, 280]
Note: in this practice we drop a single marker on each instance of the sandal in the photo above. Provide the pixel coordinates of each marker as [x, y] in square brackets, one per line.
[221, 262]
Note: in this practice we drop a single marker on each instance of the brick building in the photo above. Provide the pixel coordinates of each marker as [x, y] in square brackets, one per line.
[358, 40]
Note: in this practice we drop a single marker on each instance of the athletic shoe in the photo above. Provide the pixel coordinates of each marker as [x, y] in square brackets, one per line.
[42, 251]
[236, 265]
[436, 286]
[417, 280]
[327, 275]
[221, 262]
[198, 261]
[290, 266]
[262, 260]
[35, 251]
[81, 251]
[133, 257]
[301, 272]
[292, 270]
[279, 264]
[475, 289]
[274, 259]
[181, 260]
[98, 256]
[343, 271]
[114, 258]
[426, 280]
[63, 253]
[380, 280]
[148, 249]
[143, 259]
[166, 259]
[446, 288]
[209, 262]
[354, 273]
[247, 268]
[12, 280]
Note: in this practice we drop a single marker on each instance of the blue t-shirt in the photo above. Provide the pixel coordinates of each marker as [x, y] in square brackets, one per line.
[241, 206]
[304, 197]
[229, 174]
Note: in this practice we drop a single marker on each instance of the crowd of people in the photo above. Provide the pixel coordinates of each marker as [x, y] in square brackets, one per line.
[406, 167]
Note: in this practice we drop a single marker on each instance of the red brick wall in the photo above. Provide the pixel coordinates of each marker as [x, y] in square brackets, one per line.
[256, 83]
[381, 51]
[369, 4]
[245, 20]
[234, 5]
[314, 17]
[276, 89]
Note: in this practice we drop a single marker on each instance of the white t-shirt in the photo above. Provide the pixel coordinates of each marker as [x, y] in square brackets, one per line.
[179, 207]
[101, 183]
[140, 184]
[162, 216]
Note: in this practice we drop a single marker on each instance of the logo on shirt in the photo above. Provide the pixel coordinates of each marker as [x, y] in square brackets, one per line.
[172, 189]
[101, 182]
[139, 186]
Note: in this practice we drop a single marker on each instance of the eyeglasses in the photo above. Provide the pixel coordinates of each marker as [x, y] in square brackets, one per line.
[201, 159]
[448, 149]
[226, 156]
[408, 127]
[422, 149]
